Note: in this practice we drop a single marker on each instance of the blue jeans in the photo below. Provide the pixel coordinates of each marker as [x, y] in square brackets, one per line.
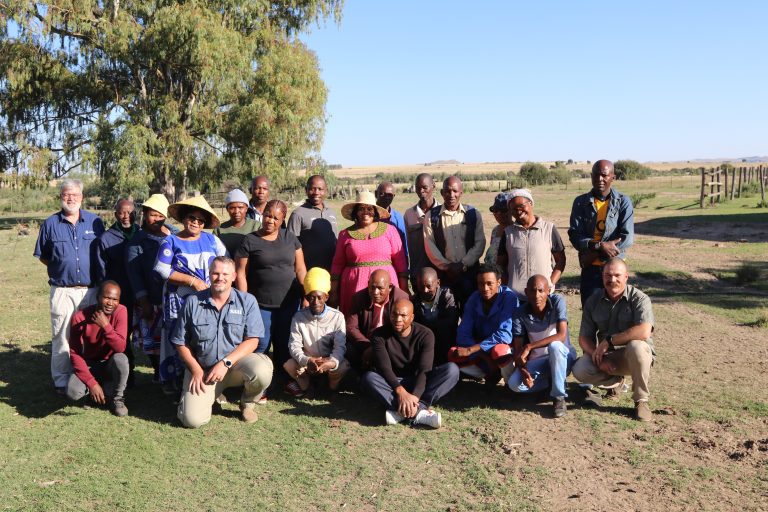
[556, 365]
[277, 329]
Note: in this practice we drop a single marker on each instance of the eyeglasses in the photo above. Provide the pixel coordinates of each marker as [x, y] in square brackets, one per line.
[197, 220]
[71, 196]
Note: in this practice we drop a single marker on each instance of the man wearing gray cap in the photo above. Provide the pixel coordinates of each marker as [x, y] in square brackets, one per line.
[233, 231]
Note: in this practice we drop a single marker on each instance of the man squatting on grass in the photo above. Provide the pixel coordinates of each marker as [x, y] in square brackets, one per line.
[543, 351]
[616, 328]
[97, 338]
[318, 338]
[216, 336]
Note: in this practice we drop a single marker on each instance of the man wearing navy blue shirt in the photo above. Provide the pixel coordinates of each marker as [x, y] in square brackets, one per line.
[216, 336]
[66, 245]
[385, 194]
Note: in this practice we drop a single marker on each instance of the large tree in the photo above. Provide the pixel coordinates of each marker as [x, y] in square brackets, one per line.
[159, 94]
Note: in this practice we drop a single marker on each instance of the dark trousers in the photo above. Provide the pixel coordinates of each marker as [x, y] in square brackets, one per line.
[440, 381]
[111, 374]
[591, 281]
[461, 287]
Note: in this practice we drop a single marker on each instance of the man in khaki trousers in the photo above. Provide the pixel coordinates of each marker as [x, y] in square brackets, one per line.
[615, 335]
[216, 336]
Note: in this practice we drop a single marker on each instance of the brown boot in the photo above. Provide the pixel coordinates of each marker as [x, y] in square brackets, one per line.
[248, 413]
[643, 411]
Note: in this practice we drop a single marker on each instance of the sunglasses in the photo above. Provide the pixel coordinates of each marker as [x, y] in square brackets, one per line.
[198, 220]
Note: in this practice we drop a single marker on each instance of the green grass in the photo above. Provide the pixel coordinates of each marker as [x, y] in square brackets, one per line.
[333, 453]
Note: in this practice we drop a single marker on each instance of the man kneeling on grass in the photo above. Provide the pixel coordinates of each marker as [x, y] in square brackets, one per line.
[404, 380]
[543, 351]
[96, 345]
[216, 336]
[318, 338]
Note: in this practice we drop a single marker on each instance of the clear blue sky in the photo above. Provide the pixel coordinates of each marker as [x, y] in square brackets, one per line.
[417, 81]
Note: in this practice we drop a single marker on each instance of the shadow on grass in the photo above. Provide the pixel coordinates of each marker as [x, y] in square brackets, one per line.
[29, 390]
[749, 227]
[28, 387]
[344, 405]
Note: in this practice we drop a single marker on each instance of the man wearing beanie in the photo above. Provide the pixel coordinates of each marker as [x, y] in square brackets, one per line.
[317, 341]
[232, 232]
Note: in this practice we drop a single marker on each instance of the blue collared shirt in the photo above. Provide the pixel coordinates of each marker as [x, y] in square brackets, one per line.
[70, 250]
[488, 329]
[213, 334]
[397, 220]
[619, 223]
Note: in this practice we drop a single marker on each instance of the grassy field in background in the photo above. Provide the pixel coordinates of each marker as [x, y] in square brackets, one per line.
[707, 449]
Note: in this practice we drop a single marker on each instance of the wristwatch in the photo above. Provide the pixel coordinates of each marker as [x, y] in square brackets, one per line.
[227, 362]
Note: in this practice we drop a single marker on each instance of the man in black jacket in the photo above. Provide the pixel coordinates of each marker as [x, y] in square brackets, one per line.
[435, 307]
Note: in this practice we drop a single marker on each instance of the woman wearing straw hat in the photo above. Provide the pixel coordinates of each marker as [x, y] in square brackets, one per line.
[182, 261]
[146, 285]
[366, 246]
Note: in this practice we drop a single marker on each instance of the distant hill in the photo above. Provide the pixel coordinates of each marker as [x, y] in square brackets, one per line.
[744, 159]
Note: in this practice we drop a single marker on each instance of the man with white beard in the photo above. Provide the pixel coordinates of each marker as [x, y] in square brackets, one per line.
[66, 245]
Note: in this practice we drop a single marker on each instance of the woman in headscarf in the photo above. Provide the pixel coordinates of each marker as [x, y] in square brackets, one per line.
[370, 244]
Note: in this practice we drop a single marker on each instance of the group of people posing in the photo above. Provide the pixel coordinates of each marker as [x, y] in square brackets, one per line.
[399, 305]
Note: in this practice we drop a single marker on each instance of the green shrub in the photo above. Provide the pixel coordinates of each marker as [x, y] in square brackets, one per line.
[534, 173]
[631, 170]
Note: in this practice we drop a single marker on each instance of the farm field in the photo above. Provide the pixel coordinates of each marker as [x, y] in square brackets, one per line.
[705, 270]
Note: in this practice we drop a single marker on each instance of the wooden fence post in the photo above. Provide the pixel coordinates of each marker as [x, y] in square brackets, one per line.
[762, 186]
[703, 181]
[733, 181]
[741, 171]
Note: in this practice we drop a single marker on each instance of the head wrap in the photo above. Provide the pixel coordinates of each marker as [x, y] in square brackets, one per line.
[520, 192]
[317, 280]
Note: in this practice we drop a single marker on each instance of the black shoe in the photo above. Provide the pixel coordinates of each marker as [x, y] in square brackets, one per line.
[118, 408]
[559, 408]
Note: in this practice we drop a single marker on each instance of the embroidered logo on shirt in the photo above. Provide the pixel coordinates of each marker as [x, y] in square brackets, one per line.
[236, 311]
[166, 252]
[89, 232]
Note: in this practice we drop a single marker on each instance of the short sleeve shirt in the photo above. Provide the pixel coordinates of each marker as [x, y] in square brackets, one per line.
[213, 334]
[271, 266]
[602, 317]
[70, 249]
[532, 328]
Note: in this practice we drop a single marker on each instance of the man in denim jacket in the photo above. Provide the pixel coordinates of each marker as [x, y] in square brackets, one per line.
[602, 227]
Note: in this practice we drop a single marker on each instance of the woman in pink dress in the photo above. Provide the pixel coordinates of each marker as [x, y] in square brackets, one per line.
[370, 244]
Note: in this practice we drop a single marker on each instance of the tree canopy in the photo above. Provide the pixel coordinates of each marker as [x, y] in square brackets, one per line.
[631, 170]
[159, 95]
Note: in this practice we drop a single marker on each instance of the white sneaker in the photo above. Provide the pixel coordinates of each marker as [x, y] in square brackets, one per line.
[392, 418]
[428, 417]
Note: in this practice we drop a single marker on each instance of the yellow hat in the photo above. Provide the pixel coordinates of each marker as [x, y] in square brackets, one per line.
[157, 202]
[199, 203]
[363, 197]
[317, 280]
